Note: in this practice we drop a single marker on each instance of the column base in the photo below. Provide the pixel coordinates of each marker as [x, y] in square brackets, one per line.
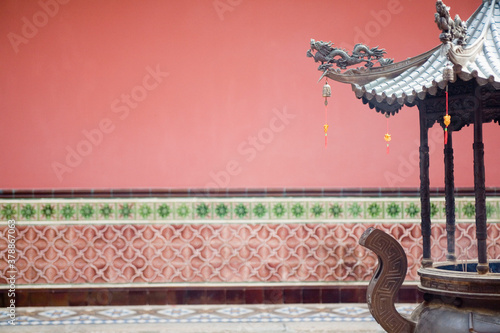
[483, 268]
[426, 263]
[451, 257]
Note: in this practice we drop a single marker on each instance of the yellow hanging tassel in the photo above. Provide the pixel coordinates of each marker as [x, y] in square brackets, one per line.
[387, 136]
[325, 127]
[446, 120]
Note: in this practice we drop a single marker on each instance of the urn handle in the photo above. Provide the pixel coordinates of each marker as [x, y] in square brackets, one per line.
[385, 283]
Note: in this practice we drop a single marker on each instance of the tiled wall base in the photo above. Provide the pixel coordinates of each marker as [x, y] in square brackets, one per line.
[93, 247]
[178, 296]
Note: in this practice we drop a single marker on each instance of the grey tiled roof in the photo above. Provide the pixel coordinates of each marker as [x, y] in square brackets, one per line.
[484, 66]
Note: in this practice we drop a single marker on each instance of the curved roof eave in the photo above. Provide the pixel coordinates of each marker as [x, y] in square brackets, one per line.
[390, 87]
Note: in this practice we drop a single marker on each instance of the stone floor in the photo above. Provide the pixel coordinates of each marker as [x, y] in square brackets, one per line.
[295, 318]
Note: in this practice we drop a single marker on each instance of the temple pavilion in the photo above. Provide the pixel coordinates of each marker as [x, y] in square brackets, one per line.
[459, 79]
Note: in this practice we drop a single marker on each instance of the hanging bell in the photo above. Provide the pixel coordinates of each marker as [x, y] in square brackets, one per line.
[327, 92]
[449, 73]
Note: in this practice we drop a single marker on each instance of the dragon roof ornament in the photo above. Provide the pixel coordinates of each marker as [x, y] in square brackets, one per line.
[328, 55]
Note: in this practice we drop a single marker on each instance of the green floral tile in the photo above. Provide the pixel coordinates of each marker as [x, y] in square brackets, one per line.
[203, 210]
[145, 211]
[241, 210]
[491, 210]
[317, 210]
[8, 211]
[106, 211]
[126, 210]
[374, 210]
[183, 210]
[297, 210]
[336, 210]
[279, 210]
[466, 210]
[394, 210]
[260, 210]
[67, 212]
[87, 211]
[28, 212]
[355, 210]
[412, 210]
[48, 212]
[222, 211]
[163, 211]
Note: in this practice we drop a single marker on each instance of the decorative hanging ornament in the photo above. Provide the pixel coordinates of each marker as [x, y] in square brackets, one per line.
[449, 76]
[448, 73]
[327, 92]
[387, 136]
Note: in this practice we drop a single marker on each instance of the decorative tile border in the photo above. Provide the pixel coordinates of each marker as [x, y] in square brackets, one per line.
[247, 210]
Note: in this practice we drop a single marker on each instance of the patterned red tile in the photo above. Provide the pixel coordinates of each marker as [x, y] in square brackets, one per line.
[213, 253]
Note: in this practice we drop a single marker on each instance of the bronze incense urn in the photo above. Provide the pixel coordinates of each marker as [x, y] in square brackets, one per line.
[456, 297]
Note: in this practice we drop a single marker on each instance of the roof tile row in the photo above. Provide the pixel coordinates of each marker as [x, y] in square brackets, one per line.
[418, 81]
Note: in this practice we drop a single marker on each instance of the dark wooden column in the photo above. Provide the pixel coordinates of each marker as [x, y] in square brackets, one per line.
[449, 188]
[479, 187]
[425, 200]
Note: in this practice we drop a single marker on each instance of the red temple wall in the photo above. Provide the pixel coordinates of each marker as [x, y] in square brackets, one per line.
[191, 94]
